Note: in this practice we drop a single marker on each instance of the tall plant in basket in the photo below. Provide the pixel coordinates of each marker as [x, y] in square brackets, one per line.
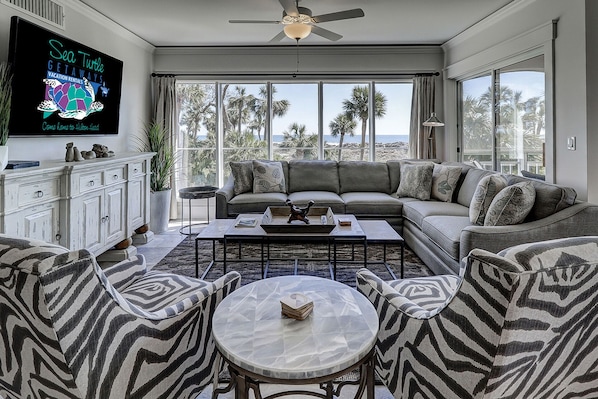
[156, 139]
[5, 101]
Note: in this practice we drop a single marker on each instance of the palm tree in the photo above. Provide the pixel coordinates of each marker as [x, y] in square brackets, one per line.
[340, 126]
[239, 107]
[259, 107]
[305, 145]
[357, 107]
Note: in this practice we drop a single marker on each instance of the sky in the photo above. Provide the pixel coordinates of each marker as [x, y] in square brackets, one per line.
[303, 98]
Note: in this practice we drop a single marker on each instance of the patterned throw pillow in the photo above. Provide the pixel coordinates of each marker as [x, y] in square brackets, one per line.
[511, 205]
[444, 181]
[242, 176]
[268, 177]
[485, 192]
[416, 180]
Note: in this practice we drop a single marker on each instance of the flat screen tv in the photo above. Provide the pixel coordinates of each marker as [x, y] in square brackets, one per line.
[60, 87]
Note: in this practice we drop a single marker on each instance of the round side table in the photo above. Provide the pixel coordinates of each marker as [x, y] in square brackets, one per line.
[191, 193]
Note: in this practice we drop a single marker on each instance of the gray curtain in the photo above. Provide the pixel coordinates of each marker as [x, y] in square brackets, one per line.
[422, 140]
[164, 110]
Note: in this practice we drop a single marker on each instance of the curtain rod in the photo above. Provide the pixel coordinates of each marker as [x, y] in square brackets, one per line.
[299, 75]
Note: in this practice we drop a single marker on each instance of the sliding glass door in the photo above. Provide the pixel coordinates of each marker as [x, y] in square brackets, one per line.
[503, 118]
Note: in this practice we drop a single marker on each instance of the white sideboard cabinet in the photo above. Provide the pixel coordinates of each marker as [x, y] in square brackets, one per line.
[92, 204]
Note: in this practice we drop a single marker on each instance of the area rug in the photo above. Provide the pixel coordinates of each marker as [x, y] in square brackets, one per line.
[288, 259]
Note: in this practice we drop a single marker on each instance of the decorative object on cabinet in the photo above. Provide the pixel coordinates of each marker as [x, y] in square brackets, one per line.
[5, 101]
[161, 167]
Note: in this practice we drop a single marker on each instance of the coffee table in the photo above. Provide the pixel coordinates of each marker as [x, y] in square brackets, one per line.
[363, 232]
[259, 344]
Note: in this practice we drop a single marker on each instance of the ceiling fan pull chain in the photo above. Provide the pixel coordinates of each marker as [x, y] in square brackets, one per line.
[297, 48]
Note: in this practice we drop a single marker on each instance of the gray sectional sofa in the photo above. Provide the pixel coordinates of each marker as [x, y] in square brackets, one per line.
[441, 233]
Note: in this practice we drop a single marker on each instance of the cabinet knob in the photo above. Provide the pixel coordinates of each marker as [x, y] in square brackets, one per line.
[103, 220]
[58, 237]
[39, 194]
[91, 183]
[115, 177]
[135, 170]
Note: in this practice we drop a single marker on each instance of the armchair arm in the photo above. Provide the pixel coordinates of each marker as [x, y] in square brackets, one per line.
[419, 298]
[577, 220]
[123, 274]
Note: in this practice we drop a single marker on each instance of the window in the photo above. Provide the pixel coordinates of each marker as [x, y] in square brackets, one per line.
[502, 118]
[221, 122]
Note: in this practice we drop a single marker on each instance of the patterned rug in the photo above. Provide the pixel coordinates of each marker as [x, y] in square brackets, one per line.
[312, 260]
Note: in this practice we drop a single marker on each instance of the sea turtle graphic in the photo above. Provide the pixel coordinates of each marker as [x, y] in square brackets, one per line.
[73, 100]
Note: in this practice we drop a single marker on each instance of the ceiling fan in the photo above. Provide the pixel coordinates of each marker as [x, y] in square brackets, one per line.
[299, 23]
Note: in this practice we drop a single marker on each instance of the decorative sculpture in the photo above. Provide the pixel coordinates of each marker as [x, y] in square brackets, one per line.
[70, 153]
[102, 151]
[299, 213]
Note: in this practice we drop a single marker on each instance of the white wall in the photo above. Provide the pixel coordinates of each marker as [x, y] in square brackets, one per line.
[575, 86]
[87, 27]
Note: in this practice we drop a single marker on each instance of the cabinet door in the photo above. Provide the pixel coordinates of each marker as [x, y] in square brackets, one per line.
[115, 214]
[90, 223]
[136, 204]
[39, 223]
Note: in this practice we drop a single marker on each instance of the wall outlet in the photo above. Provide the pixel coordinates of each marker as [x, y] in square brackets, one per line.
[571, 143]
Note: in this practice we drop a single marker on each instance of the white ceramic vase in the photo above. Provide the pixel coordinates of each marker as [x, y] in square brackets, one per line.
[3, 156]
[159, 210]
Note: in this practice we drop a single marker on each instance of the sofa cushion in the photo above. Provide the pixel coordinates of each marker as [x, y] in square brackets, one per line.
[321, 199]
[550, 198]
[268, 177]
[250, 202]
[445, 231]
[394, 170]
[485, 192]
[416, 180]
[470, 183]
[417, 211]
[360, 176]
[464, 169]
[242, 173]
[368, 203]
[444, 182]
[313, 176]
[511, 205]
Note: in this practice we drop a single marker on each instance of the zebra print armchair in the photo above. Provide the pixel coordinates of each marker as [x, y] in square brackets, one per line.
[69, 329]
[519, 324]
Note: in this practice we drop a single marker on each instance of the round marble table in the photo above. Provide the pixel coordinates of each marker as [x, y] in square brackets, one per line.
[261, 345]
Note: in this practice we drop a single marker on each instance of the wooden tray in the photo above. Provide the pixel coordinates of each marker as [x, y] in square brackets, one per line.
[275, 220]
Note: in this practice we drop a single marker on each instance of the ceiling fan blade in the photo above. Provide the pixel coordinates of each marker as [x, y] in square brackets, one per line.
[251, 21]
[278, 37]
[336, 16]
[290, 7]
[325, 33]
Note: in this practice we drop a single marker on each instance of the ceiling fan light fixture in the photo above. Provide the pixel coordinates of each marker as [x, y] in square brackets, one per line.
[297, 31]
[433, 121]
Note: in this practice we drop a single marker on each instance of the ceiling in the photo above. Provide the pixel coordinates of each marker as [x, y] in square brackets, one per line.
[205, 22]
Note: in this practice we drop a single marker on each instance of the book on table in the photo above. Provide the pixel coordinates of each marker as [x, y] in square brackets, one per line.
[246, 222]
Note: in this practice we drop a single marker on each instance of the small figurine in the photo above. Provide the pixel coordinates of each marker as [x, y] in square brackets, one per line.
[78, 156]
[70, 153]
[102, 151]
[88, 154]
[299, 213]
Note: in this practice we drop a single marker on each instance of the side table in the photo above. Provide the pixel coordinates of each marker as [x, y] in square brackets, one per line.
[191, 193]
[260, 345]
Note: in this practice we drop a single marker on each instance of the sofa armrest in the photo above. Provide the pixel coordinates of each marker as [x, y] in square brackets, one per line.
[223, 196]
[576, 220]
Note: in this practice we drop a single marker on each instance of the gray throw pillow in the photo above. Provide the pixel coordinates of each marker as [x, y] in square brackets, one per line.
[268, 177]
[416, 180]
[242, 176]
[444, 181]
[511, 205]
[485, 192]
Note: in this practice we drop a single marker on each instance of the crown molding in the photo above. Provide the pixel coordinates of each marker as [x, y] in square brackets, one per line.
[109, 24]
[291, 50]
[479, 27]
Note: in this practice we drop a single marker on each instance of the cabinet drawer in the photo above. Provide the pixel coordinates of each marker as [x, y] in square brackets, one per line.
[40, 191]
[135, 169]
[90, 181]
[115, 175]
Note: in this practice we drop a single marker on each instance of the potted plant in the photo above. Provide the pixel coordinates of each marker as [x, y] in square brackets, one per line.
[161, 167]
[5, 99]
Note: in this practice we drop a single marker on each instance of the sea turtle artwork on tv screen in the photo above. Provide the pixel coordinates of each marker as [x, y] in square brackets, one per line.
[72, 100]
